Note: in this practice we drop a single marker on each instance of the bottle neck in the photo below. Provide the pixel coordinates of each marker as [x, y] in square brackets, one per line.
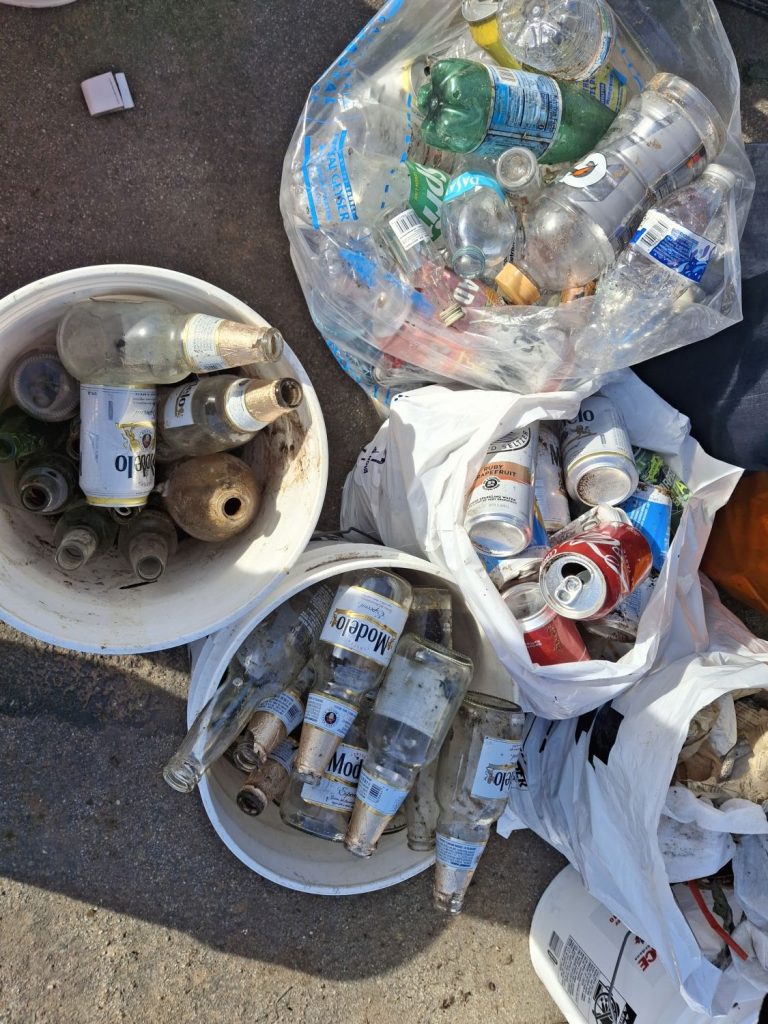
[78, 546]
[148, 554]
[45, 491]
[212, 343]
[250, 405]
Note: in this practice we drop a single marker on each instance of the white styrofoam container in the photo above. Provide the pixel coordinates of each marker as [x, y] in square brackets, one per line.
[265, 844]
[103, 608]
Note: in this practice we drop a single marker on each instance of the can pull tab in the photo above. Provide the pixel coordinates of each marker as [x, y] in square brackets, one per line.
[569, 590]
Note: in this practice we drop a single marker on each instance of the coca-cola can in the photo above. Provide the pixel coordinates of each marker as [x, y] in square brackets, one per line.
[586, 577]
[598, 463]
[550, 639]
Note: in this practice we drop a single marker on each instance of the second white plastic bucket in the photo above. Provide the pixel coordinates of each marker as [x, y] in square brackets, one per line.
[103, 608]
[265, 844]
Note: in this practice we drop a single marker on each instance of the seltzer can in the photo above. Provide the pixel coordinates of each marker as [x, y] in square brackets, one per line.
[550, 639]
[499, 517]
[117, 444]
[598, 463]
[548, 481]
[586, 577]
[650, 510]
[600, 515]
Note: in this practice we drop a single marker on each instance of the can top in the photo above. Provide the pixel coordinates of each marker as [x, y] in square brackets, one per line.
[528, 605]
[606, 484]
[495, 535]
[573, 585]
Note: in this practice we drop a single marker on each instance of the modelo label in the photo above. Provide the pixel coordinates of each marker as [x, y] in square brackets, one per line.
[329, 714]
[117, 444]
[526, 112]
[337, 789]
[364, 623]
[284, 754]
[495, 770]
[177, 407]
[236, 411]
[455, 853]
[382, 798]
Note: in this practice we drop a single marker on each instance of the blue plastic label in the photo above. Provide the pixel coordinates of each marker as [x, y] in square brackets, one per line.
[326, 182]
[526, 112]
[673, 246]
[650, 510]
[468, 182]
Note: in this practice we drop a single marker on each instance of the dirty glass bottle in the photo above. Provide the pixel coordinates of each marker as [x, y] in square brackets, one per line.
[82, 533]
[40, 385]
[46, 482]
[211, 497]
[277, 717]
[21, 435]
[268, 782]
[147, 542]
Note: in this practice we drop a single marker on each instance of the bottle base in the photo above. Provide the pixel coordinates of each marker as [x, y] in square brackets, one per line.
[421, 845]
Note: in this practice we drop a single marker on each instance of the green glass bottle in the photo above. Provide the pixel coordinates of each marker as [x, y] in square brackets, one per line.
[22, 436]
[474, 107]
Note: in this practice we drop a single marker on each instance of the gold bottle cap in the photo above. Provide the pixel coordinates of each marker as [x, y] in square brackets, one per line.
[516, 286]
[366, 827]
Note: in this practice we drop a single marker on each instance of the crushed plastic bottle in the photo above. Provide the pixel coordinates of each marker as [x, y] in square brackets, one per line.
[478, 227]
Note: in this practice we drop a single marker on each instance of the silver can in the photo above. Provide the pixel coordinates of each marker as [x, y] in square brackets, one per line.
[597, 455]
[548, 481]
[499, 518]
[117, 444]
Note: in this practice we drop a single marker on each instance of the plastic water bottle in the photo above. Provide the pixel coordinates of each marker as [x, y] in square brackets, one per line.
[576, 228]
[519, 174]
[469, 106]
[578, 39]
[478, 227]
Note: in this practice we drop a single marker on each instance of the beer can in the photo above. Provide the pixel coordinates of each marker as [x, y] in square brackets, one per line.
[517, 568]
[600, 515]
[117, 444]
[499, 518]
[550, 639]
[586, 577]
[654, 470]
[621, 625]
[650, 510]
[598, 463]
[548, 481]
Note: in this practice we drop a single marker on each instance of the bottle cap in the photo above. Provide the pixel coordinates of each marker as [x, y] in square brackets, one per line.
[516, 286]
[579, 291]
[516, 168]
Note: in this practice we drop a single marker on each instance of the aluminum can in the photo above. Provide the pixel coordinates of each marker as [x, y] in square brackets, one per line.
[587, 576]
[623, 622]
[117, 444]
[548, 481]
[499, 518]
[650, 510]
[597, 456]
[600, 515]
[550, 639]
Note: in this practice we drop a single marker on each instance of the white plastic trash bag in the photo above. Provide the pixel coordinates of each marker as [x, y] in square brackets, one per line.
[598, 787]
[409, 486]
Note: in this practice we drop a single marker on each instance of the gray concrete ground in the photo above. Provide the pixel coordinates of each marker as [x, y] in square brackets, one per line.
[118, 900]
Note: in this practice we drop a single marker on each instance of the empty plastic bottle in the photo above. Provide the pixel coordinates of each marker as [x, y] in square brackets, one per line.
[46, 483]
[40, 385]
[577, 39]
[148, 542]
[82, 533]
[519, 174]
[469, 106]
[478, 227]
[576, 228]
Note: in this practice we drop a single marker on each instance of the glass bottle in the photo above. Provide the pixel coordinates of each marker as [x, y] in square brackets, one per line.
[278, 716]
[478, 227]
[244, 756]
[474, 776]
[124, 340]
[82, 533]
[211, 497]
[274, 654]
[148, 542]
[40, 385]
[46, 482]
[418, 699]
[217, 413]
[366, 618]
[22, 436]
[469, 106]
[431, 615]
[268, 782]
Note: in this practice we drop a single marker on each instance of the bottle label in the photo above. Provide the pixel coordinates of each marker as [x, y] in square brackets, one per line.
[607, 35]
[673, 246]
[428, 185]
[408, 229]
[286, 706]
[455, 853]
[177, 408]
[503, 484]
[364, 623]
[495, 771]
[201, 350]
[379, 795]
[338, 787]
[588, 171]
[330, 714]
[468, 182]
[236, 410]
[117, 444]
[526, 112]
[284, 754]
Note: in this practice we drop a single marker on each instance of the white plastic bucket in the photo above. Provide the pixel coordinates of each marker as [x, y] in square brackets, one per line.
[577, 948]
[102, 608]
[265, 844]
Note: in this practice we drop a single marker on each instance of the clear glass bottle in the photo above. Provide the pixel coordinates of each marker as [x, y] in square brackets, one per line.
[576, 228]
[418, 699]
[40, 385]
[82, 533]
[125, 340]
[278, 716]
[422, 809]
[274, 654]
[431, 615]
[211, 497]
[474, 776]
[268, 782]
[22, 436]
[46, 482]
[479, 228]
[366, 618]
[243, 755]
[148, 542]
[217, 413]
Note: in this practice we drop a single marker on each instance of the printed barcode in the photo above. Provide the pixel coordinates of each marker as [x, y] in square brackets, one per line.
[555, 945]
[374, 792]
[409, 229]
[650, 238]
[294, 712]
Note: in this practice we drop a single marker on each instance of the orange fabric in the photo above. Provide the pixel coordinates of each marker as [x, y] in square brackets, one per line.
[737, 554]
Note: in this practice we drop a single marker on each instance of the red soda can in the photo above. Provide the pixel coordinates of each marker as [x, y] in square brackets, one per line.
[550, 639]
[586, 576]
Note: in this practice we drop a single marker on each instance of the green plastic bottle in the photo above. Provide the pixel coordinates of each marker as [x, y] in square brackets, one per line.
[474, 107]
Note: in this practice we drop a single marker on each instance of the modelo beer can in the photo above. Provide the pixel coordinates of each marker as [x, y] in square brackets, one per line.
[586, 577]
[117, 444]
[499, 518]
[548, 481]
[597, 457]
[550, 639]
